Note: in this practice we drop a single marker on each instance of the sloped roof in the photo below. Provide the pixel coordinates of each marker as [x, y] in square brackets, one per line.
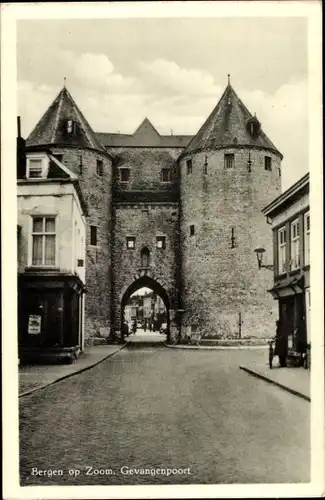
[129, 140]
[227, 126]
[146, 135]
[51, 128]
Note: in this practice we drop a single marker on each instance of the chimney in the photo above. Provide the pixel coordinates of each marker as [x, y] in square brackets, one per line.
[21, 155]
[18, 127]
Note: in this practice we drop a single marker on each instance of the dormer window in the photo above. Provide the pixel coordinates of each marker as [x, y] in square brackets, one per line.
[37, 167]
[70, 127]
[253, 127]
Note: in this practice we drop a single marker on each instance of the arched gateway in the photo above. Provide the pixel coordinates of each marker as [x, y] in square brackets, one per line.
[148, 282]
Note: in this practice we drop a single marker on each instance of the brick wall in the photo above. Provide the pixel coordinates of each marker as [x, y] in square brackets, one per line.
[145, 165]
[220, 281]
[97, 191]
[144, 222]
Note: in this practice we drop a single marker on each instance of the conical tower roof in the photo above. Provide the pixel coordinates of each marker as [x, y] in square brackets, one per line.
[52, 127]
[230, 124]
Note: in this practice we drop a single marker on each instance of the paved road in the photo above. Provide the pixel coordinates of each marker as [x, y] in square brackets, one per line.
[153, 407]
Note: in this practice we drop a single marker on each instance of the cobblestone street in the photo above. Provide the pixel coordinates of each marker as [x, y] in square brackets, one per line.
[153, 407]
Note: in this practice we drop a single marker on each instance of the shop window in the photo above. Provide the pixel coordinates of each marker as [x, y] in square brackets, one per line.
[161, 242]
[229, 160]
[282, 250]
[130, 242]
[268, 163]
[43, 241]
[189, 166]
[99, 167]
[124, 174]
[307, 239]
[93, 235]
[295, 247]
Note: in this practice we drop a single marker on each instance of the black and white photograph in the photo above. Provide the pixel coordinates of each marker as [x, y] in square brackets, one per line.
[163, 163]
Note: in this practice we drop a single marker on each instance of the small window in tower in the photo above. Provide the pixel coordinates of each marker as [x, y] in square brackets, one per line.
[130, 242]
[268, 163]
[165, 175]
[99, 168]
[192, 230]
[71, 127]
[124, 174]
[161, 241]
[229, 160]
[93, 235]
[189, 166]
[145, 257]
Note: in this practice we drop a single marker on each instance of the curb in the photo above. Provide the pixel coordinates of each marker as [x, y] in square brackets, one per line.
[214, 347]
[85, 368]
[266, 379]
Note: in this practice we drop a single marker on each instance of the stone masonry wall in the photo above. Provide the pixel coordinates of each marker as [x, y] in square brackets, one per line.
[145, 165]
[97, 191]
[144, 222]
[220, 281]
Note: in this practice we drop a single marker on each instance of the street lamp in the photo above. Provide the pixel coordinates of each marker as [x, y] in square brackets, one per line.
[259, 254]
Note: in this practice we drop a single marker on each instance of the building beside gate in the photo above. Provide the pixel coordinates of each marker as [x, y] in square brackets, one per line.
[178, 214]
[51, 258]
[290, 218]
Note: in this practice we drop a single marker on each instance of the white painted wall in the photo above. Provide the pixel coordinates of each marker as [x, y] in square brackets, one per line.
[291, 211]
[62, 201]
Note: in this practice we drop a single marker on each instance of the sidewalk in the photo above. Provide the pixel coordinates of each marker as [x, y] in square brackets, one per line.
[295, 380]
[35, 377]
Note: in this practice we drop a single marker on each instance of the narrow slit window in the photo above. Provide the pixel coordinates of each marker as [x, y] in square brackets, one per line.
[145, 257]
[268, 163]
[99, 168]
[192, 230]
[189, 166]
[93, 235]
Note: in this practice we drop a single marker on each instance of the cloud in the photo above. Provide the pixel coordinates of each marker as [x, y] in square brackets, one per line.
[171, 76]
[172, 97]
[284, 118]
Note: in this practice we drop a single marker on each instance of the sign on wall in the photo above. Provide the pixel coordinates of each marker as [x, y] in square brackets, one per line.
[34, 324]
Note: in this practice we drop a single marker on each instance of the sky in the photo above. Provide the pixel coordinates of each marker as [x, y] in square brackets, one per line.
[173, 71]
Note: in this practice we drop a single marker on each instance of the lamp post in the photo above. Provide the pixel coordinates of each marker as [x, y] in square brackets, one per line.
[259, 255]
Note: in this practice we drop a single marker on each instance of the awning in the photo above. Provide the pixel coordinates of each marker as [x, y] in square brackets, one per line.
[287, 287]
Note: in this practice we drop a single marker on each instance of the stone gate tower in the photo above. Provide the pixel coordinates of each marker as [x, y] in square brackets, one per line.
[229, 171]
[179, 214]
[66, 133]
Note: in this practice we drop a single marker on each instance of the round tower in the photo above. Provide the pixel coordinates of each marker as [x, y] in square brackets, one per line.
[66, 134]
[229, 172]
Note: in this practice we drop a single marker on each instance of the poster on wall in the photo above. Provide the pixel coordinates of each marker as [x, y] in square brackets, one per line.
[34, 324]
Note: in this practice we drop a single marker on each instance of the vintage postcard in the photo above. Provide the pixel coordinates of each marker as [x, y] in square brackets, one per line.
[162, 250]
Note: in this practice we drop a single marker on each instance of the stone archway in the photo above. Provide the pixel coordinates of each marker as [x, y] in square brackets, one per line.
[148, 282]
